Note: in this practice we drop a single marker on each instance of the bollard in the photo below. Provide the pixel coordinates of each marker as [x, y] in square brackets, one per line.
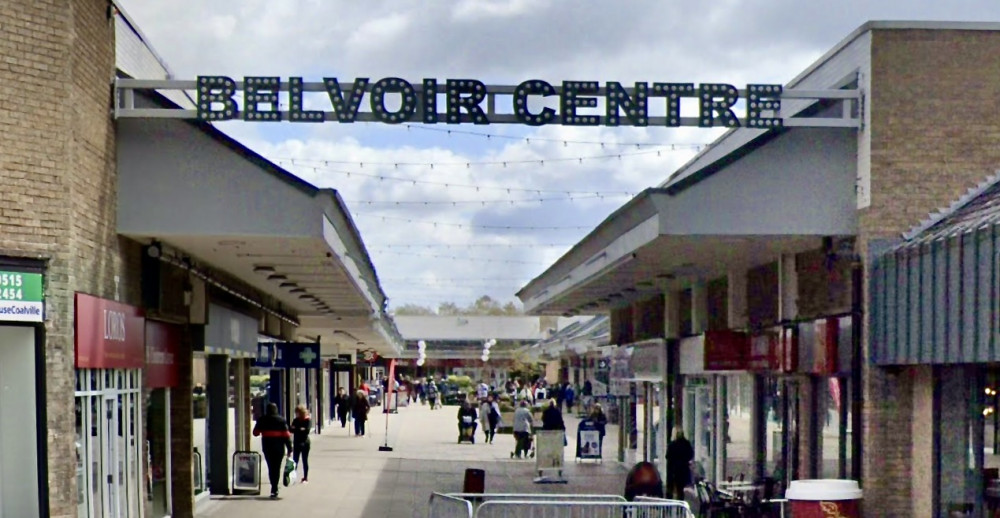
[475, 481]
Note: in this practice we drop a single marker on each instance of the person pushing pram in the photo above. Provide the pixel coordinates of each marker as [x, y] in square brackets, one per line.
[467, 422]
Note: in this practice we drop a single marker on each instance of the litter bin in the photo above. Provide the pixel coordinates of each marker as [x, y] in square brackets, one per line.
[822, 498]
[475, 481]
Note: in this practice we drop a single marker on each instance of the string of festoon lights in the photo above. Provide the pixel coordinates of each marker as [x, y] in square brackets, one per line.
[470, 245]
[470, 226]
[463, 258]
[515, 201]
[477, 188]
[565, 142]
[468, 164]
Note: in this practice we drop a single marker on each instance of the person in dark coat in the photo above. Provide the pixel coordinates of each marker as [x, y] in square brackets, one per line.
[680, 453]
[301, 426]
[275, 441]
[552, 418]
[360, 412]
[343, 405]
[467, 416]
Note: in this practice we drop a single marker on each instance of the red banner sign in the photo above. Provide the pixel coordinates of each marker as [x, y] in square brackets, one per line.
[764, 350]
[727, 351]
[109, 335]
[162, 349]
[825, 347]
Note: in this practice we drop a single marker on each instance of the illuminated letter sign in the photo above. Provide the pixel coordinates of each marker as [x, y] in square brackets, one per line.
[580, 103]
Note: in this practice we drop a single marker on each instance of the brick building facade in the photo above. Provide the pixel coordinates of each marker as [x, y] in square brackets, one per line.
[835, 199]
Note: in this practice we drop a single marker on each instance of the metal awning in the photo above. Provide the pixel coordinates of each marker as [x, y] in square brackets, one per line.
[781, 199]
[194, 189]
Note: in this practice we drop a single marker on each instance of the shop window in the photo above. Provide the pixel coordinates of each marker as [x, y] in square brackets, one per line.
[960, 420]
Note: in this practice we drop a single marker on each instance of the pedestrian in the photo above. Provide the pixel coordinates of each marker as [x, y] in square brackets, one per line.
[484, 421]
[492, 411]
[360, 412]
[300, 439]
[643, 480]
[557, 393]
[552, 418]
[522, 429]
[680, 453]
[432, 394]
[467, 419]
[275, 440]
[570, 396]
[343, 405]
[588, 395]
[600, 421]
[482, 390]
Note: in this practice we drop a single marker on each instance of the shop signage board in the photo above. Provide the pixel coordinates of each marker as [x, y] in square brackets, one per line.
[727, 351]
[22, 297]
[342, 361]
[246, 473]
[162, 350]
[764, 350]
[109, 335]
[620, 373]
[287, 355]
[534, 102]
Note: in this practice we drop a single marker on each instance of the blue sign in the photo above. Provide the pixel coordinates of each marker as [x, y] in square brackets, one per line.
[287, 355]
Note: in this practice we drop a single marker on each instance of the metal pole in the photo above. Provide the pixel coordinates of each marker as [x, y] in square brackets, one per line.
[857, 364]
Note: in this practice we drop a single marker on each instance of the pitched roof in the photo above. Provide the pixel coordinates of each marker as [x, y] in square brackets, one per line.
[978, 207]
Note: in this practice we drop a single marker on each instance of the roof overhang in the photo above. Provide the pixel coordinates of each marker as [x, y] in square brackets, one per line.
[783, 198]
[196, 190]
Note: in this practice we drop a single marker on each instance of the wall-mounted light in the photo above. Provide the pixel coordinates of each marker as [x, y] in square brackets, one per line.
[297, 290]
[263, 269]
[288, 284]
[277, 277]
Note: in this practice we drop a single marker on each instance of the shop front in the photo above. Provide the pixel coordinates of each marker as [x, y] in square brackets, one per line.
[22, 393]
[110, 356]
[162, 378]
[221, 373]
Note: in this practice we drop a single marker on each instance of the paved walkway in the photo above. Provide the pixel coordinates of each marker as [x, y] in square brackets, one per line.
[349, 477]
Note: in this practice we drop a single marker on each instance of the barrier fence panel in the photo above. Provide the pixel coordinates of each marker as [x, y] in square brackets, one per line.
[578, 508]
[447, 506]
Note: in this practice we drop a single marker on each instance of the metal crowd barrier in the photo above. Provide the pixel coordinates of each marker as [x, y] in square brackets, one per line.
[536, 505]
[447, 506]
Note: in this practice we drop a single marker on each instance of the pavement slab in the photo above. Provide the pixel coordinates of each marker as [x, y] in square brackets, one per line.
[349, 477]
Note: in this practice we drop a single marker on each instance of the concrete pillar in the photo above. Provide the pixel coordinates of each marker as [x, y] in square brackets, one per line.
[671, 317]
[721, 427]
[699, 307]
[922, 425]
[182, 436]
[788, 288]
[218, 423]
[758, 428]
[737, 294]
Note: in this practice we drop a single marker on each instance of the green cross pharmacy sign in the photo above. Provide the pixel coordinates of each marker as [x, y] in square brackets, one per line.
[21, 297]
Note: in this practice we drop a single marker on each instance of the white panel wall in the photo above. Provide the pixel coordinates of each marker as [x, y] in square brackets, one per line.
[18, 453]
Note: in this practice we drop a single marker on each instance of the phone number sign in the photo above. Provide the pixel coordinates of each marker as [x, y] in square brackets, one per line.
[21, 297]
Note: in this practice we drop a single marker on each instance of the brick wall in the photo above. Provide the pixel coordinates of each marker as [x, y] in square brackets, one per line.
[933, 101]
[57, 168]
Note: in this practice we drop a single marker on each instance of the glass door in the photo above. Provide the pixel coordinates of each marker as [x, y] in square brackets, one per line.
[111, 457]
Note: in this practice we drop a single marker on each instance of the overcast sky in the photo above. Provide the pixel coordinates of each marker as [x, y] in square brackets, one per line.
[498, 42]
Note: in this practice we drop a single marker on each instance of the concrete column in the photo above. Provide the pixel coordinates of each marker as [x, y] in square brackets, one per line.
[218, 423]
[737, 287]
[671, 317]
[758, 428]
[182, 436]
[922, 425]
[699, 307]
[788, 288]
[721, 428]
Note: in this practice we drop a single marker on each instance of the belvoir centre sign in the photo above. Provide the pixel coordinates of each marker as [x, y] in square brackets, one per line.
[534, 102]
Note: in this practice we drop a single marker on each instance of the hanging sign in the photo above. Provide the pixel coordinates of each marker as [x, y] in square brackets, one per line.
[21, 297]
[287, 355]
[109, 335]
[472, 101]
[162, 350]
